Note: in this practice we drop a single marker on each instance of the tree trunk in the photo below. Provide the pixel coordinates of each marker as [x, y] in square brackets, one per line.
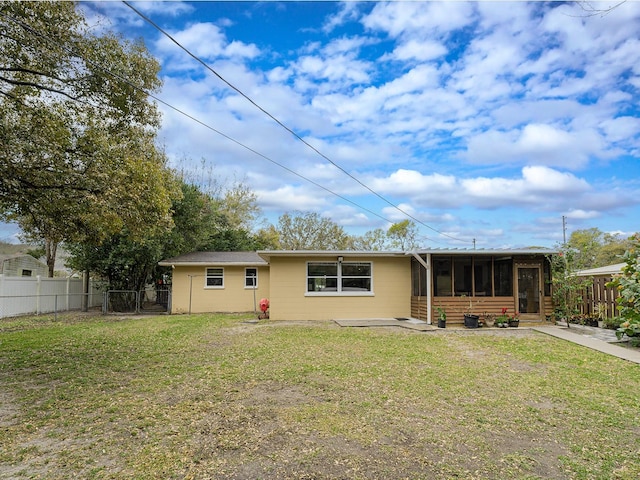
[51, 248]
[85, 290]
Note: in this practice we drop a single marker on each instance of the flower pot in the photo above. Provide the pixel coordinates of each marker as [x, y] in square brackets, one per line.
[442, 323]
[471, 321]
[514, 323]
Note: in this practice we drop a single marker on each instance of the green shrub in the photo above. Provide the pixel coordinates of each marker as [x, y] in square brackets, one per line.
[612, 323]
[628, 285]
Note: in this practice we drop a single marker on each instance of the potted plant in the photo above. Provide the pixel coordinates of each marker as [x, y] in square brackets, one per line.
[602, 313]
[442, 318]
[470, 319]
[489, 319]
[505, 320]
[502, 320]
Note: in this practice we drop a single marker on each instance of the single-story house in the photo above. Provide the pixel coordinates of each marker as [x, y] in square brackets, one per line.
[217, 281]
[324, 285]
[22, 265]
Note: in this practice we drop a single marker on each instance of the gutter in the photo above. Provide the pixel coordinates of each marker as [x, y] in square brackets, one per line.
[427, 266]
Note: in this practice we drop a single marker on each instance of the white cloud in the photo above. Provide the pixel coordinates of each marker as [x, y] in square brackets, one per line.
[582, 214]
[347, 11]
[290, 198]
[542, 139]
[206, 41]
[397, 18]
[348, 216]
[538, 144]
[537, 186]
[418, 50]
[413, 183]
[621, 129]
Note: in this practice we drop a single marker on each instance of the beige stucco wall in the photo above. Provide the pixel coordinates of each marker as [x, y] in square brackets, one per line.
[391, 277]
[233, 297]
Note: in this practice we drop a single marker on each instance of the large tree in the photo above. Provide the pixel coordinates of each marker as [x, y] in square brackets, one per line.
[78, 129]
[372, 240]
[200, 223]
[403, 235]
[591, 248]
[310, 231]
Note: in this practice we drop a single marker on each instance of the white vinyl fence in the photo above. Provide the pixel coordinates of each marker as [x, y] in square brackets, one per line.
[35, 295]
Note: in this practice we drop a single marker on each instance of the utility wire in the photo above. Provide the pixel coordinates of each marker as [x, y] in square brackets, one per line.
[292, 132]
[191, 117]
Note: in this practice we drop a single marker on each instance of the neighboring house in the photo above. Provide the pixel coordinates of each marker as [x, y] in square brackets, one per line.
[598, 293]
[323, 285]
[609, 271]
[22, 265]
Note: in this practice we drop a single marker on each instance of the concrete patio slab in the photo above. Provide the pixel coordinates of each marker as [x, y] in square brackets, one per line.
[410, 323]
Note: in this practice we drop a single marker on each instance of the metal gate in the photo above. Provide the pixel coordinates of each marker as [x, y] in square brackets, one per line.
[150, 300]
[154, 300]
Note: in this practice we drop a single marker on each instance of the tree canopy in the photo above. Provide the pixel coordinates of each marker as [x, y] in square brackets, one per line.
[591, 248]
[200, 223]
[80, 160]
[311, 231]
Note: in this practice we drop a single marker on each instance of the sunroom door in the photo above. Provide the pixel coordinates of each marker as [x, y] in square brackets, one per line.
[529, 288]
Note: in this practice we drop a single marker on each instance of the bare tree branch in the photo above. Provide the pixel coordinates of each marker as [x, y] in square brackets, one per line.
[592, 11]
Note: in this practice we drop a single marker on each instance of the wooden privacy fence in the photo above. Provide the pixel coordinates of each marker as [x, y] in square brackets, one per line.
[599, 294]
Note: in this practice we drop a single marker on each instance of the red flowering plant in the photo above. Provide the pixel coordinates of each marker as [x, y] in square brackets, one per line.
[504, 318]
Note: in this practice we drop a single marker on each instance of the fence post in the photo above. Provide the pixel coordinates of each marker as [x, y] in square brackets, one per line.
[68, 292]
[86, 289]
[38, 291]
[2, 299]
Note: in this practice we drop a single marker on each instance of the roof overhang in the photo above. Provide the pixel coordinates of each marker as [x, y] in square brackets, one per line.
[215, 259]
[269, 254]
[497, 251]
[606, 270]
[167, 263]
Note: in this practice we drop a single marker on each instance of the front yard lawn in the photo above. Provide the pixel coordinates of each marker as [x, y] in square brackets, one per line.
[214, 396]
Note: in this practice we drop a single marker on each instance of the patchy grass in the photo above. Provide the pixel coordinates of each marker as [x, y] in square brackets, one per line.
[212, 396]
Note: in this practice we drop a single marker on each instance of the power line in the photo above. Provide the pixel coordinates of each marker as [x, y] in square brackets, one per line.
[281, 124]
[198, 121]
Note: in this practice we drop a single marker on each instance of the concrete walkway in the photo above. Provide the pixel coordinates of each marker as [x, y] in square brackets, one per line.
[595, 338]
[600, 339]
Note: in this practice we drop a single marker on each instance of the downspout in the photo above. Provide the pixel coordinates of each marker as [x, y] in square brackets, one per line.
[426, 264]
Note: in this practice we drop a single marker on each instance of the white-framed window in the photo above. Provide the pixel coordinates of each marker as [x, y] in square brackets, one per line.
[251, 277]
[339, 278]
[214, 277]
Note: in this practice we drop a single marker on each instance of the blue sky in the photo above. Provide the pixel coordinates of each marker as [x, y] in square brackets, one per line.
[481, 120]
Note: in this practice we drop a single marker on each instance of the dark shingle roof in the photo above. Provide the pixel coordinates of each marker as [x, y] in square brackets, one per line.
[215, 258]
